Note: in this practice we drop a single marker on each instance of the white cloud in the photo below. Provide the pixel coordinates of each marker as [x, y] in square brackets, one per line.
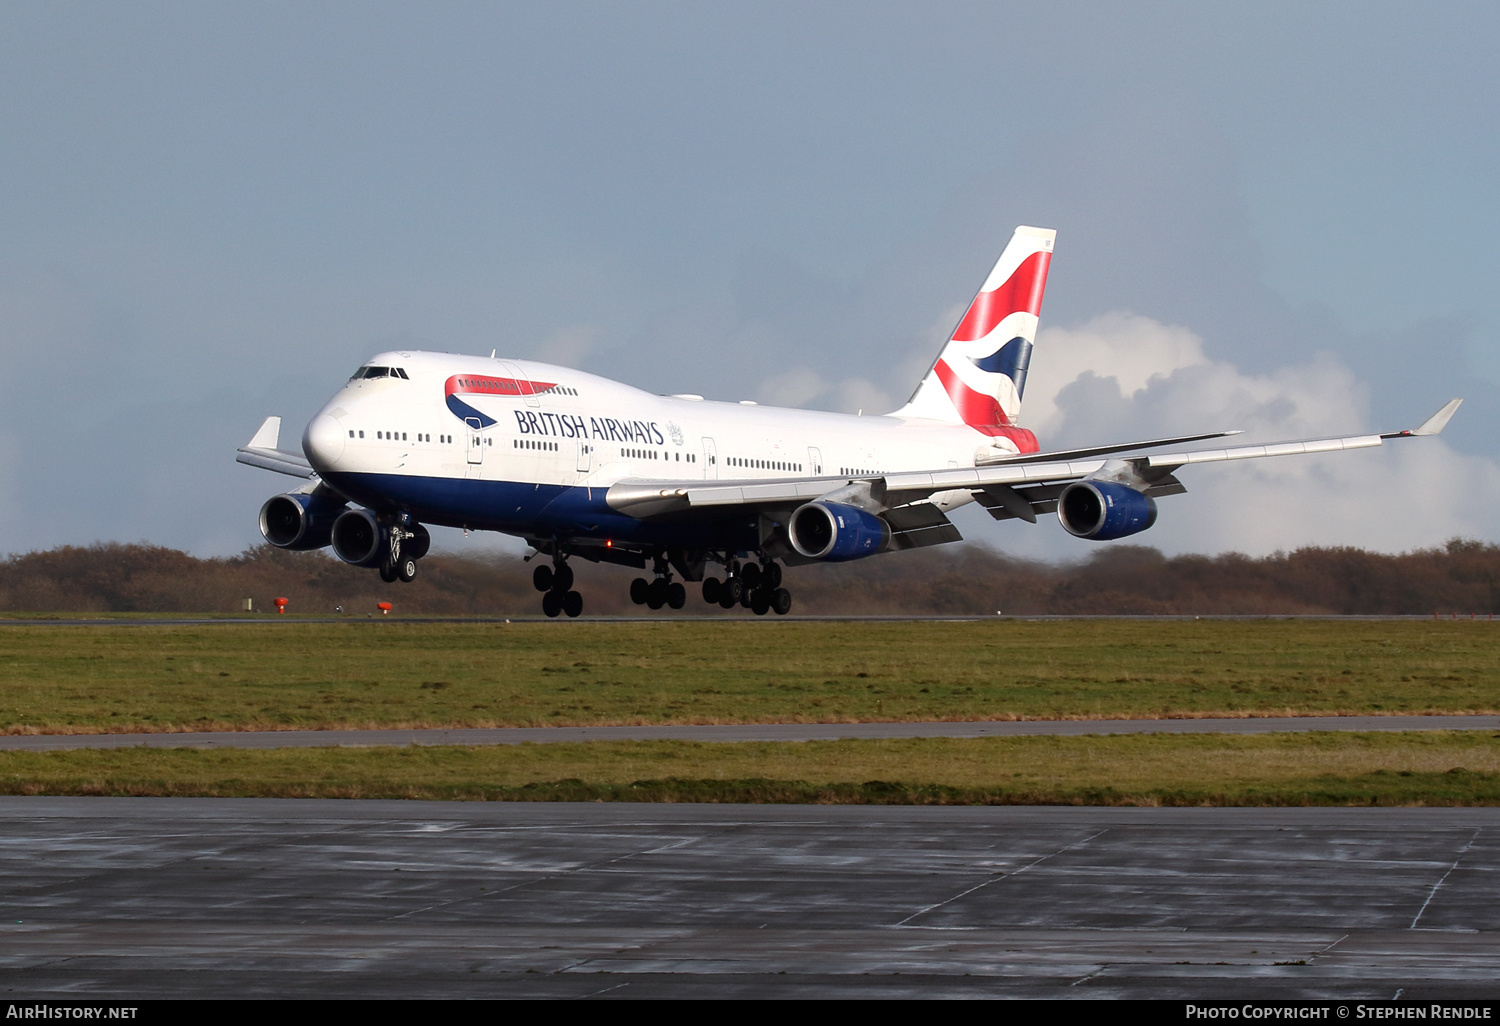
[855, 395]
[1125, 376]
[795, 387]
[803, 387]
[569, 346]
[1133, 350]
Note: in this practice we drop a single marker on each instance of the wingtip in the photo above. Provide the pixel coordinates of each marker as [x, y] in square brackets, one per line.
[1434, 424]
[268, 435]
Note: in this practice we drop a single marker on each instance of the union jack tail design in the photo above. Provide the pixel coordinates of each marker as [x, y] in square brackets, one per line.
[980, 374]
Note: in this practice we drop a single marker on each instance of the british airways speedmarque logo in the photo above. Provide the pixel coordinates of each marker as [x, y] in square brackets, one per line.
[537, 422]
[480, 384]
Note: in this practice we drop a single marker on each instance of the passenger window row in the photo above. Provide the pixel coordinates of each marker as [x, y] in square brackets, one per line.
[749, 464]
[400, 436]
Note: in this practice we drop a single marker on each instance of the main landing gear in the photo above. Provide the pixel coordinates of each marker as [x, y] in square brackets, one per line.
[399, 560]
[556, 584]
[756, 586]
[663, 591]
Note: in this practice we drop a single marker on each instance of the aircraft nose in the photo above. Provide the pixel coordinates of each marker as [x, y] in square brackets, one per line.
[323, 442]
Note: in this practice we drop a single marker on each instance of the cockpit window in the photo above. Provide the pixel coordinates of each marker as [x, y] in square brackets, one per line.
[379, 372]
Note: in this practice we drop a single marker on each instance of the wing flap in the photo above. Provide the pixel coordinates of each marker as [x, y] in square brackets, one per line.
[919, 525]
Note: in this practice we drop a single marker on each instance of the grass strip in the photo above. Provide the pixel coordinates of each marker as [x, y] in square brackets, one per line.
[1452, 768]
[415, 674]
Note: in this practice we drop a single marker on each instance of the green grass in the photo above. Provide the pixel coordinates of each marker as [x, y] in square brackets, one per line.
[1414, 768]
[289, 675]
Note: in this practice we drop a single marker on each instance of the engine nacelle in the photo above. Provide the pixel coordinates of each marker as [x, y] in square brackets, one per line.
[357, 538]
[836, 533]
[1104, 510]
[417, 545]
[299, 521]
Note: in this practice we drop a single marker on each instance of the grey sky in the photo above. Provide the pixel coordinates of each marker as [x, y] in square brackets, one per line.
[210, 213]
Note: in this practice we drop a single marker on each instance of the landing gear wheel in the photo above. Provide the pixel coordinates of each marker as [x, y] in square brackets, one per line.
[750, 574]
[676, 595]
[572, 604]
[771, 576]
[541, 577]
[407, 569]
[551, 604]
[760, 602]
[640, 590]
[729, 594]
[656, 594]
[747, 595]
[387, 573]
[562, 578]
[712, 586]
[781, 601]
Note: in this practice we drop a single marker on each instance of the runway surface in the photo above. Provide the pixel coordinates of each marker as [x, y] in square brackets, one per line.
[352, 618]
[152, 898]
[734, 732]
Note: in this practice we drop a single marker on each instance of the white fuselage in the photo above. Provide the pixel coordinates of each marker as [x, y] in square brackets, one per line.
[489, 443]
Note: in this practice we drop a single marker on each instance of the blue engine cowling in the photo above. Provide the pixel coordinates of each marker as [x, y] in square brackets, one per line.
[360, 539]
[834, 532]
[298, 521]
[1104, 510]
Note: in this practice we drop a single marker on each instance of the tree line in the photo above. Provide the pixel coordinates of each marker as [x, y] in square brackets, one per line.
[1461, 577]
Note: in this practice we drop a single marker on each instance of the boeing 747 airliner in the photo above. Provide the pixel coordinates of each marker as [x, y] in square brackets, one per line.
[586, 468]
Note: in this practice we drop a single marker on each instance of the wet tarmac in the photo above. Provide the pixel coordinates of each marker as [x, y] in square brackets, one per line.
[156, 898]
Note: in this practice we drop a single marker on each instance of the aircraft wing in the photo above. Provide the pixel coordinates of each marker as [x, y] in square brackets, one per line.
[261, 451]
[1007, 490]
[1101, 450]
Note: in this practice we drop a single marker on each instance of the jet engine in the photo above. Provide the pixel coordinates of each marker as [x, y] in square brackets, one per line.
[299, 521]
[836, 533]
[1104, 510]
[359, 538]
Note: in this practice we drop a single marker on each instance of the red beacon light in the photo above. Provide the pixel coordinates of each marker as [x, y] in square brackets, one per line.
[384, 607]
[281, 605]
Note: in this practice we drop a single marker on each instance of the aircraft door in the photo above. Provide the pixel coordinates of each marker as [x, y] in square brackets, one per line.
[710, 461]
[476, 440]
[585, 457]
[814, 461]
[525, 382]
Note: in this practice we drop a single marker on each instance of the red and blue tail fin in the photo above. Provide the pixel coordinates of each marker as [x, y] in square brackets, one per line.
[980, 375]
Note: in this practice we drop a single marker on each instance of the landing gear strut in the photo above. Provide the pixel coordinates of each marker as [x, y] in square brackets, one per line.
[662, 591]
[396, 564]
[756, 586]
[556, 584]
